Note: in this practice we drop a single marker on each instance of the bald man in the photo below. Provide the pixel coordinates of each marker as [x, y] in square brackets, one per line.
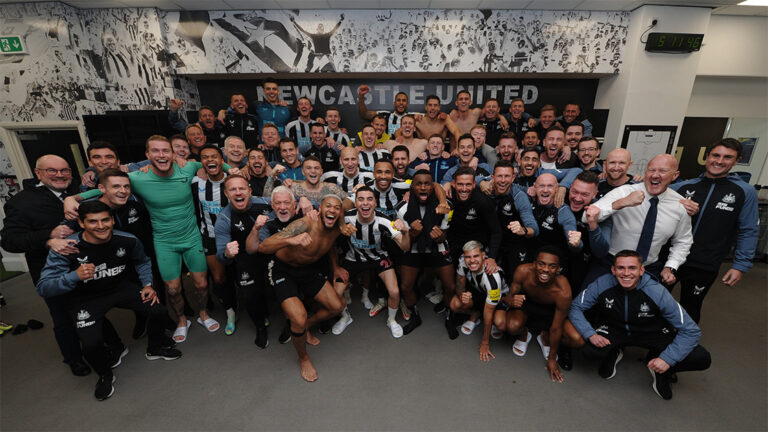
[615, 168]
[32, 226]
[647, 215]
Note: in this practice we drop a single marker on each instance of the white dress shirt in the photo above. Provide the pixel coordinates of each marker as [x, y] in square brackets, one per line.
[672, 221]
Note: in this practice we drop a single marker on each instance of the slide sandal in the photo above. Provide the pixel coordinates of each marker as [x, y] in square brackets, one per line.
[544, 348]
[521, 347]
[210, 324]
[469, 326]
[180, 334]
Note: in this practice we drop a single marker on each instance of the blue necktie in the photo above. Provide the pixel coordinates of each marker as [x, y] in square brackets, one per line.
[646, 235]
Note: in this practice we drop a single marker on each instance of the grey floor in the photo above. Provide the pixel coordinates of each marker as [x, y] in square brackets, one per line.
[369, 381]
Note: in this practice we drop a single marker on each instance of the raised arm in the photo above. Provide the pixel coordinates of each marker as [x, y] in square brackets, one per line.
[292, 235]
[362, 109]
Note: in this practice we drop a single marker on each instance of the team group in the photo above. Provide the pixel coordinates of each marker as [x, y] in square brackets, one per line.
[508, 220]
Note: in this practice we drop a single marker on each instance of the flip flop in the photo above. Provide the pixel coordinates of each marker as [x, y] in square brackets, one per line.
[544, 348]
[229, 329]
[469, 326]
[181, 331]
[496, 333]
[4, 326]
[210, 324]
[521, 347]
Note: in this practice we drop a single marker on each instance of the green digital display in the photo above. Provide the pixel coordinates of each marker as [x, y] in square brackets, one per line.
[674, 42]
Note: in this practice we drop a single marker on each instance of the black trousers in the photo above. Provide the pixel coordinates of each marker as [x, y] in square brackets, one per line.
[89, 312]
[64, 328]
[694, 286]
[697, 359]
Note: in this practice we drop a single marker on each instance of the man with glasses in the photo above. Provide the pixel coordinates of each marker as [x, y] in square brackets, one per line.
[31, 226]
[588, 151]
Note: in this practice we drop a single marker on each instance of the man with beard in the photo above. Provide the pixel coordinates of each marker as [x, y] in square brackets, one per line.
[290, 166]
[572, 115]
[367, 251]
[554, 150]
[238, 122]
[297, 275]
[557, 225]
[415, 146]
[531, 139]
[483, 152]
[435, 122]
[588, 153]
[513, 210]
[400, 159]
[257, 169]
[350, 177]
[490, 120]
[329, 156]
[272, 110]
[212, 128]
[429, 246]
[538, 301]
[392, 118]
[311, 190]
[530, 170]
[615, 167]
[507, 148]
[237, 230]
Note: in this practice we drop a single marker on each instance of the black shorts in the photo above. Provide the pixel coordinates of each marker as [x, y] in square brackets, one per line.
[427, 259]
[302, 282]
[539, 315]
[209, 246]
[357, 267]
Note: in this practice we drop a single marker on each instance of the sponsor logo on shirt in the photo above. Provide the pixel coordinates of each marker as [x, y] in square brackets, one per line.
[547, 224]
[724, 201]
[645, 311]
[472, 214]
[82, 316]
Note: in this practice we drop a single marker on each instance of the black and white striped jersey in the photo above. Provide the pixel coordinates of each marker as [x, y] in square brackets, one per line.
[348, 183]
[443, 223]
[338, 137]
[365, 245]
[492, 285]
[386, 202]
[393, 121]
[369, 159]
[209, 201]
[299, 131]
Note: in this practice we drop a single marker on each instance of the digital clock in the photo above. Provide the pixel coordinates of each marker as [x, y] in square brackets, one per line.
[673, 42]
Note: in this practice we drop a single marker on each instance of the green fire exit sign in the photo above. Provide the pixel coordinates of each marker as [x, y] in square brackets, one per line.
[11, 45]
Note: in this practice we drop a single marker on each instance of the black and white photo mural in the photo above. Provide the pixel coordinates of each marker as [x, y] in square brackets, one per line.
[396, 41]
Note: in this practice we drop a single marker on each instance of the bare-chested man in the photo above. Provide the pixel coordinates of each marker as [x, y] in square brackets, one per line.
[416, 146]
[298, 274]
[539, 299]
[465, 117]
[436, 122]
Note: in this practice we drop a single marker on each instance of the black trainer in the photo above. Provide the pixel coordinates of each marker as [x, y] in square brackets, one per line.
[413, 323]
[285, 335]
[104, 388]
[262, 341]
[116, 355]
[79, 368]
[661, 385]
[450, 325]
[162, 353]
[564, 358]
[325, 326]
[608, 366]
[440, 308]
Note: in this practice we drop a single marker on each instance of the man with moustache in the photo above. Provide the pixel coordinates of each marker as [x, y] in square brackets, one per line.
[257, 169]
[588, 153]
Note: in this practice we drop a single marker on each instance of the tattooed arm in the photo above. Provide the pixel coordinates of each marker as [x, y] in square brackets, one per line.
[296, 233]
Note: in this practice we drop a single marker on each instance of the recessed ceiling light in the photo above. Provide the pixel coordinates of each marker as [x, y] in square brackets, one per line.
[754, 3]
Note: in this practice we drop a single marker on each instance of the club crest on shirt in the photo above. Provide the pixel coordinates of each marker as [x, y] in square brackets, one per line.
[120, 253]
[645, 311]
[83, 315]
[548, 222]
[132, 212]
[725, 201]
[471, 214]
[507, 209]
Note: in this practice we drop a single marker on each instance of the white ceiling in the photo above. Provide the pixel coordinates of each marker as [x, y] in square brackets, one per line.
[722, 7]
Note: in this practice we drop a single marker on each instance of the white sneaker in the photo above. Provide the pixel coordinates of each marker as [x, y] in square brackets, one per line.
[435, 296]
[366, 301]
[342, 323]
[395, 328]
